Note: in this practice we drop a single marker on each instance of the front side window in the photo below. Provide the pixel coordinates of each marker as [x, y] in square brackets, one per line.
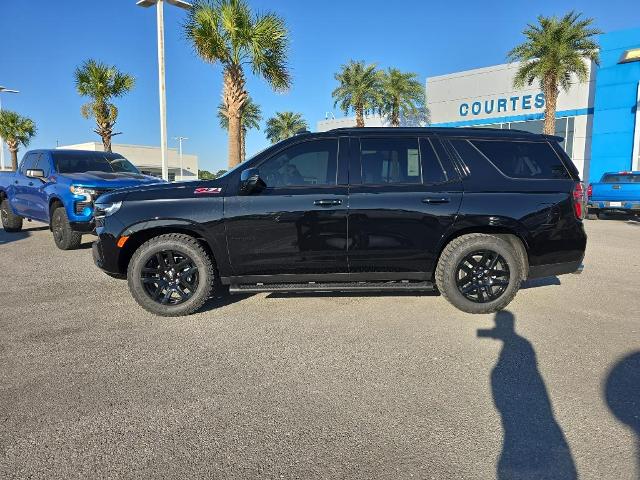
[390, 161]
[523, 159]
[29, 162]
[305, 164]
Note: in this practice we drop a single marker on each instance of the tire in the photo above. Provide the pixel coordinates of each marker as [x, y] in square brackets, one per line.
[593, 215]
[10, 221]
[64, 237]
[156, 289]
[454, 273]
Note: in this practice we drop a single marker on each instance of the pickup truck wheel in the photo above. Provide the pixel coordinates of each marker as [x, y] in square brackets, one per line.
[171, 275]
[10, 221]
[65, 238]
[479, 273]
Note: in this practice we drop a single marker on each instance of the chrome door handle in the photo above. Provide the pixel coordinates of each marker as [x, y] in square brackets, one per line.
[435, 200]
[327, 202]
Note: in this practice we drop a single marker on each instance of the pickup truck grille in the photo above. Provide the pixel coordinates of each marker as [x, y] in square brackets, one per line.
[80, 206]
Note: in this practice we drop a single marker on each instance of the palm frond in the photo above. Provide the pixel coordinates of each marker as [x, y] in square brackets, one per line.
[284, 125]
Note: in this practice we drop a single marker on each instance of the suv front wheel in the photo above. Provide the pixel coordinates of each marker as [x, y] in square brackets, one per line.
[171, 275]
[479, 273]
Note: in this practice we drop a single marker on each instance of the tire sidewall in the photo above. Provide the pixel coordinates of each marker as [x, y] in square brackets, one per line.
[205, 281]
[59, 216]
[10, 221]
[496, 245]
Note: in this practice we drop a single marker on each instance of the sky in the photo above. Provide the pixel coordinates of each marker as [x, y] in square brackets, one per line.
[43, 41]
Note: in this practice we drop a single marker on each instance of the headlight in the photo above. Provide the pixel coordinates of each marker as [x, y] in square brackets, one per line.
[88, 193]
[106, 209]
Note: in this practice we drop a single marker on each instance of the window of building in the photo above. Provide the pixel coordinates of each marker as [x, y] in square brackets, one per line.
[308, 163]
[386, 161]
[522, 159]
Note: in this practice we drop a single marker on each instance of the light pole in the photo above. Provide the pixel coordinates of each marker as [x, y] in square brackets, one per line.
[161, 86]
[3, 90]
[180, 140]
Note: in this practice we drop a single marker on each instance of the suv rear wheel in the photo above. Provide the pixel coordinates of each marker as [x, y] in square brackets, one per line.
[479, 273]
[171, 275]
[10, 221]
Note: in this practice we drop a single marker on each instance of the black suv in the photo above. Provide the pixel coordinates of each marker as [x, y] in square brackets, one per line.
[471, 212]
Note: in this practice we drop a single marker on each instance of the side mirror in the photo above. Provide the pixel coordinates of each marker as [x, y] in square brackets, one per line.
[35, 173]
[250, 181]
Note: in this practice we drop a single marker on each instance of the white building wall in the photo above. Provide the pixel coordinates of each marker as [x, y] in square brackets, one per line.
[348, 122]
[148, 158]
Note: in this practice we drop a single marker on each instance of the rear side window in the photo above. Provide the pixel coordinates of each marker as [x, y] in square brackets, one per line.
[433, 171]
[522, 159]
[390, 161]
[621, 178]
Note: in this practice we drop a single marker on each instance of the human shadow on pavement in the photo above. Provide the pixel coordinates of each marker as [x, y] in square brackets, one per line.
[622, 393]
[534, 445]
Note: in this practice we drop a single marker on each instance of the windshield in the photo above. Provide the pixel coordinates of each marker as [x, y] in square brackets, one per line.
[80, 162]
[621, 178]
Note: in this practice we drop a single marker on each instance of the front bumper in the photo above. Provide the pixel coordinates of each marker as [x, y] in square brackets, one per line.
[106, 256]
[83, 227]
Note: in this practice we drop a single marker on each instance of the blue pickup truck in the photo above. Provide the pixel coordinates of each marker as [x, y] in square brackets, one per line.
[59, 187]
[616, 192]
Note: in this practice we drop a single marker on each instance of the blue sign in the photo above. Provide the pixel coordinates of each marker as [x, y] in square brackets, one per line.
[500, 105]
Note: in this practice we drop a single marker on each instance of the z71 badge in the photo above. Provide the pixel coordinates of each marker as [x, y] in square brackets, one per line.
[207, 190]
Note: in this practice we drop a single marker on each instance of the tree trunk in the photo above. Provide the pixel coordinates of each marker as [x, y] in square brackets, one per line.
[233, 97]
[395, 116]
[106, 141]
[551, 100]
[14, 157]
[359, 117]
[243, 152]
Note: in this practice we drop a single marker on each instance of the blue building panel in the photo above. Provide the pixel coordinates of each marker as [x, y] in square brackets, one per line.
[615, 105]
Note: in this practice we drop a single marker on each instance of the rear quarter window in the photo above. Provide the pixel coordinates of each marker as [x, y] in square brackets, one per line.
[523, 159]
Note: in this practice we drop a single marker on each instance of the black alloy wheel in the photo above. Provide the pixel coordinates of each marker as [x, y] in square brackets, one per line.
[482, 276]
[170, 277]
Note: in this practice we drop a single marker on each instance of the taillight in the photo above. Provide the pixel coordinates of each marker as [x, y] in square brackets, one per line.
[589, 191]
[579, 200]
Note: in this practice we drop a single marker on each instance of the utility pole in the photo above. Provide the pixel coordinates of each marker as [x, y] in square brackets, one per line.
[180, 140]
[161, 82]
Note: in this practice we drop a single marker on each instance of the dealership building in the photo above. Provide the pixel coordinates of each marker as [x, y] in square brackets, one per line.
[599, 118]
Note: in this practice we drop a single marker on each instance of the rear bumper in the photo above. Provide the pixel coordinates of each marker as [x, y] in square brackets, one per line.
[554, 269]
[627, 206]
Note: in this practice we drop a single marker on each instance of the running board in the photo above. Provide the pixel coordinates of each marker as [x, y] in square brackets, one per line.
[402, 286]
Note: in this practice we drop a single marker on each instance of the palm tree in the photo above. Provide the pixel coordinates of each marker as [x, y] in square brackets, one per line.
[403, 96]
[226, 31]
[284, 125]
[101, 83]
[16, 130]
[359, 89]
[554, 50]
[250, 117]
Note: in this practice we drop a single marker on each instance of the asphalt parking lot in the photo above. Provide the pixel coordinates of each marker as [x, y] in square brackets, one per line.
[318, 386]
